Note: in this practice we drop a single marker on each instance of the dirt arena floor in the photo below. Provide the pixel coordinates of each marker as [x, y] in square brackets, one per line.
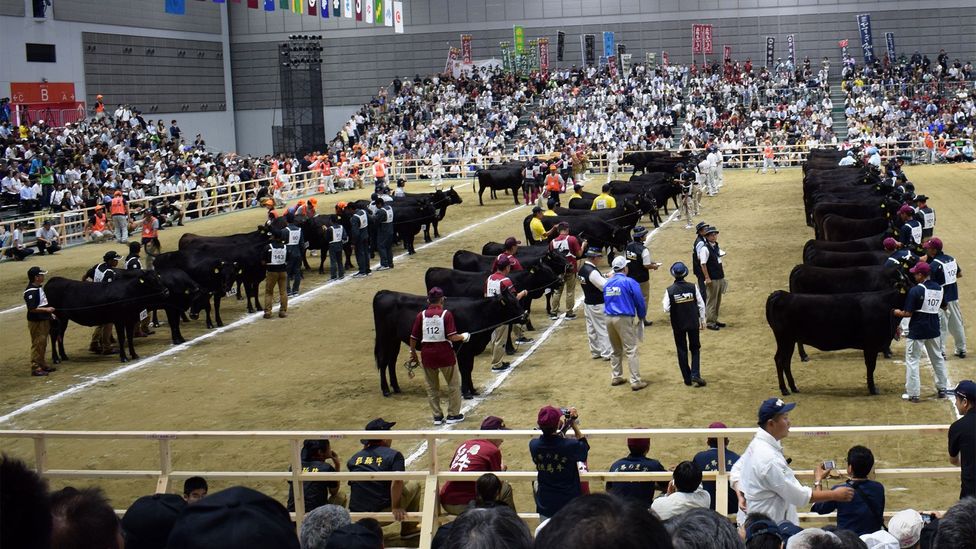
[315, 371]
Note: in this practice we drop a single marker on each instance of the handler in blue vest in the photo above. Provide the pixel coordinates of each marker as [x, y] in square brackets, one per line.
[910, 232]
[922, 309]
[384, 234]
[946, 271]
[683, 301]
[625, 311]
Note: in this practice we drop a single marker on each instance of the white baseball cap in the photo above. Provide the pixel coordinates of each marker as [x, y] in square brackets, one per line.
[619, 263]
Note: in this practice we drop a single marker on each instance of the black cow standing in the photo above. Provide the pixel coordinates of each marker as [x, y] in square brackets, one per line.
[394, 314]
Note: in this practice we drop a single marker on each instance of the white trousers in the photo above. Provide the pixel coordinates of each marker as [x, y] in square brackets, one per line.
[913, 353]
[712, 181]
[950, 320]
[596, 330]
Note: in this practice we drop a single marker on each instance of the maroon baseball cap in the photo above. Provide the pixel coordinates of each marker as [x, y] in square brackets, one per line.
[493, 423]
[717, 425]
[435, 293]
[502, 262]
[921, 268]
[890, 243]
[906, 209]
[639, 444]
[512, 241]
[549, 417]
[935, 243]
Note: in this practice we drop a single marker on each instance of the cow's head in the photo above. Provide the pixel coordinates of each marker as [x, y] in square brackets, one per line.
[453, 196]
[151, 284]
[556, 261]
[511, 309]
[225, 273]
[542, 277]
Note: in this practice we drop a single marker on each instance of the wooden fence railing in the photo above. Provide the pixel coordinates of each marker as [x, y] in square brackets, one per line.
[436, 472]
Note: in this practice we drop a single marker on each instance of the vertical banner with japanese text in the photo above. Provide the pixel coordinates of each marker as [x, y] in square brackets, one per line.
[518, 34]
[890, 42]
[466, 49]
[706, 39]
[560, 45]
[726, 53]
[398, 17]
[589, 49]
[867, 41]
[770, 50]
[608, 44]
[452, 56]
[791, 49]
[544, 54]
[696, 39]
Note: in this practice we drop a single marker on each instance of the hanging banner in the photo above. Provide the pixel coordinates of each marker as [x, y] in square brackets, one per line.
[791, 49]
[466, 48]
[770, 50]
[649, 58]
[176, 7]
[532, 55]
[452, 56]
[269, 5]
[368, 11]
[311, 7]
[706, 39]
[726, 53]
[336, 8]
[843, 48]
[890, 42]
[398, 17]
[544, 54]
[388, 13]
[696, 39]
[324, 9]
[347, 9]
[609, 50]
[867, 41]
[664, 58]
[560, 45]
[378, 12]
[621, 50]
[625, 60]
[252, 4]
[359, 9]
[589, 49]
[519, 39]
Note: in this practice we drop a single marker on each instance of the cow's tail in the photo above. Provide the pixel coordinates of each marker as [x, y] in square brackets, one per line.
[528, 232]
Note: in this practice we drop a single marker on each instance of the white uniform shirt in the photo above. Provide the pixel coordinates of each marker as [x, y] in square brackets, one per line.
[668, 506]
[767, 482]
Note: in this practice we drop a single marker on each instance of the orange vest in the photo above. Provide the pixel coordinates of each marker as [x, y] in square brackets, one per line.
[768, 152]
[929, 142]
[118, 206]
[379, 168]
[148, 231]
[552, 183]
[99, 223]
[99, 107]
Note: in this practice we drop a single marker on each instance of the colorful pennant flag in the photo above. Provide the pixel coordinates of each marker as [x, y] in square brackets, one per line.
[388, 13]
[347, 9]
[269, 5]
[311, 7]
[398, 16]
[359, 9]
[219, 1]
[378, 10]
[336, 8]
[176, 7]
[324, 9]
[253, 4]
[368, 11]
[298, 6]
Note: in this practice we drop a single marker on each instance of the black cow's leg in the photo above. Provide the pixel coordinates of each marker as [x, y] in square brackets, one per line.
[155, 318]
[53, 334]
[466, 367]
[426, 227]
[349, 253]
[394, 384]
[62, 328]
[802, 352]
[436, 233]
[887, 352]
[130, 329]
[120, 332]
[217, 298]
[173, 317]
[549, 303]
[509, 347]
[481, 200]
[870, 362]
[254, 286]
[240, 295]
[784, 352]
[515, 194]
[528, 316]
[206, 308]
[305, 264]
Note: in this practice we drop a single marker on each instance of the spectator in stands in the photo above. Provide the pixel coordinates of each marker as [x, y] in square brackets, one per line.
[84, 514]
[762, 477]
[763, 534]
[962, 437]
[149, 520]
[47, 239]
[957, 528]
[194, 489]
[18, 249]
[865, 512]
[26, 517]
[234, 518]
[815, 538]
[683, 494]
[707, 460]
[319, 525]
[316, 455]
[556, 459]
[703, 529]
[476, 455]
[603, 520]
[487, 528]
[375, 496]
[636, 462]
[355, 536]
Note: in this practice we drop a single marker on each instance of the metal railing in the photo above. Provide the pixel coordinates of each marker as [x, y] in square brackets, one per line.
[432, 441]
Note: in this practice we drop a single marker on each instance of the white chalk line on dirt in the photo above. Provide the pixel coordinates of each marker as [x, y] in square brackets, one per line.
[13, 309]
[247, 319]
[421, 449]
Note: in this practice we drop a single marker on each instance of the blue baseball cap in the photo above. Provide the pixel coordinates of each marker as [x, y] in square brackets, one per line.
[772, 406]
[966, 389]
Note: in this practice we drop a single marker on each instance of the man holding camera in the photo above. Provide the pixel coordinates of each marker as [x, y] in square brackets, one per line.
[556, 458]
[762, 477]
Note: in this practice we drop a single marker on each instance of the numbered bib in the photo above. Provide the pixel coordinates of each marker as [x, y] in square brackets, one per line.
[493, 287]
[917, 233]
[337, 233]
[949, 270]
[278, 256]
[143, 314]
[933, 298]
[928, 220]
[294, 235]
[433, 328]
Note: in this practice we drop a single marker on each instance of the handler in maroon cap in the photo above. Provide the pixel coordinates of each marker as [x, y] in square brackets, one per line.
[476, 455]
[707, 460]
[434, 329]
[555, 458]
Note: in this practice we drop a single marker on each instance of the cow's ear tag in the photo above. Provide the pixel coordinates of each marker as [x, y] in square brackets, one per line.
[216, 270]
[901, 290]
[142, 280]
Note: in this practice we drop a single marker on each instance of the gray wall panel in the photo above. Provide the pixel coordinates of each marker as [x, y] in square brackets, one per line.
[13, 8]
[200, 16]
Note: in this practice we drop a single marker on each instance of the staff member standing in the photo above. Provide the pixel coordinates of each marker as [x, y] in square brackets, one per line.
[38, 321]
[962, 437]
[569, 246]
[275, 262]
[537, 229]
[922, 309]
[592, 283]
[293, 261]
[101, 340]
[497, 284]
[556, 458]
[604, 200]
[120, 217]
[687, 310]
[359, 229]
[554, 184]
[625, 309]
[925, 214]
[384, 234]
[133, 262]
[150, 236]
[335, 235]
[710, 261]
[946, 271]
[910, 232]
[434, 329]
[639, 264]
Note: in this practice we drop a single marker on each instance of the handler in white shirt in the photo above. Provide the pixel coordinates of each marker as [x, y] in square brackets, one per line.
[763, 479]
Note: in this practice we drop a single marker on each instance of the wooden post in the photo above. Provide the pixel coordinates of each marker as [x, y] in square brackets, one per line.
[40, 455]
[429, 517]
[297, 488]
[165, 466]
[721, 479]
